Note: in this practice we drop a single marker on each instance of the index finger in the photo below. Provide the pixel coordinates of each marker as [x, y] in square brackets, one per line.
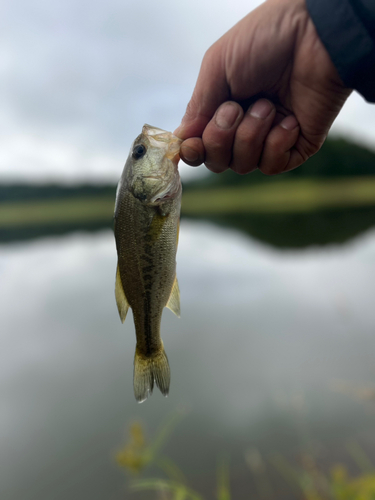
[210, 91]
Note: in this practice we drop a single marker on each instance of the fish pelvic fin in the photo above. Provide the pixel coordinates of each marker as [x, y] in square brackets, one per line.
[150, 369]
[174, 299]
[121, 300]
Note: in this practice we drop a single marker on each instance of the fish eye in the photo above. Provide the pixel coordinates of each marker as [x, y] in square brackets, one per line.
[139, 151]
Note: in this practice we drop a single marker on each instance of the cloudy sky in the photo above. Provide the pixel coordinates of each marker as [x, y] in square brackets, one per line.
[78, 79]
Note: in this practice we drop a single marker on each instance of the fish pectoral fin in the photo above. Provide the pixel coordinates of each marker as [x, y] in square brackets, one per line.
[174, 299]
[121, 300]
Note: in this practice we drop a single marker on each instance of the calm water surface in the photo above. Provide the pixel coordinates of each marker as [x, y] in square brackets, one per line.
[273, 349]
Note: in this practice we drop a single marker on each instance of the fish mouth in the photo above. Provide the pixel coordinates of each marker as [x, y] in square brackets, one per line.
[151, 131]
[160, 138]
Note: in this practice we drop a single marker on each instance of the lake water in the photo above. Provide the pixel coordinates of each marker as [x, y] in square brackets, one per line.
[274, 349]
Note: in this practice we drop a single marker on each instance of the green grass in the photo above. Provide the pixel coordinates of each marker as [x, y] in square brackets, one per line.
[307, 478]
[79, 210]
[293, 196]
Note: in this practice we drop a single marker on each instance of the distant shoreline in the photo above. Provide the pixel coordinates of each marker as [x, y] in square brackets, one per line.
[287, 196]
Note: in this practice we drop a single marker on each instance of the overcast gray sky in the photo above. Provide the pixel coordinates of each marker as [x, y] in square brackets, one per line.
[78, 79]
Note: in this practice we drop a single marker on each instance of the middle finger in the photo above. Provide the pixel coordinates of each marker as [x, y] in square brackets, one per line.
[219, 134]
[250, 136]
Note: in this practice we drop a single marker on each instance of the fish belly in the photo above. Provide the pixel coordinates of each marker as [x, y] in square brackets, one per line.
[146, 239]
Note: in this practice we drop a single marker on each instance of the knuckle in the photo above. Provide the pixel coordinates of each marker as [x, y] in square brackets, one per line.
[210, 53]
[215, 139]
[270, 170]
[215, 167]
[242, 169]
[274, 164]
[217, 156]
[248, 137]
[191, 108]
[213, 145]
[277, 145]
[215, 162]
[308, 148]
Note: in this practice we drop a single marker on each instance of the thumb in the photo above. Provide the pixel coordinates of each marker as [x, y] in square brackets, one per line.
[210, 91]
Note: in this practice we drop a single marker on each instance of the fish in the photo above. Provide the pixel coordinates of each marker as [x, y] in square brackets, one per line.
[146, 227]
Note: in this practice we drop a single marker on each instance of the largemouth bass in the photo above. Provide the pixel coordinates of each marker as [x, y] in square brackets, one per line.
[147, 214]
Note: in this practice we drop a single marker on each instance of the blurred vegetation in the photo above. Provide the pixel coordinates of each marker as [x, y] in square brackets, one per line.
[306, 480]
[34, 192]
[331, 198]
[32, 211]
[288, 196]
[138, 455]
[337, 158]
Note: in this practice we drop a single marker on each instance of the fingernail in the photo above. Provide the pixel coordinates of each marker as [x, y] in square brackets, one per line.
[226, 115]
[289, 123]
[261, 109]
[189, 154]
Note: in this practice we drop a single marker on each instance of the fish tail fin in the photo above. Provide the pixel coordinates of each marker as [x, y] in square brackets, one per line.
[148, 369]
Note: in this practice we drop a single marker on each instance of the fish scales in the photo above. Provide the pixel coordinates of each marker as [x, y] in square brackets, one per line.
[146, 277]
[147, 215]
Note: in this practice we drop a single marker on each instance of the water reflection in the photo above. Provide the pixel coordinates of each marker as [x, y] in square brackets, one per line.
[298, 230]
[261, 330]
[283, 230]
[30, 232]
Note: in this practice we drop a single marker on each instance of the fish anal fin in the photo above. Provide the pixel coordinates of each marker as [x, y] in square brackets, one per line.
[122, 303]
[174, 299]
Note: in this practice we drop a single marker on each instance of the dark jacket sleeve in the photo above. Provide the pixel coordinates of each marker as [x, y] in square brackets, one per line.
[347, 30]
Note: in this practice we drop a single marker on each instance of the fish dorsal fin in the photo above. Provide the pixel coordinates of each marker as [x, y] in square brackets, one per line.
[122, 303]
[174, 299]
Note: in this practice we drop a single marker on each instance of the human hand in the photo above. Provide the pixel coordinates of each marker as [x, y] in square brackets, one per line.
[274, 57]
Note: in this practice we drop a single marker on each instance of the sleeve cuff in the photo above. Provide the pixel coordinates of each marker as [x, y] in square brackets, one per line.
[348, 43]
